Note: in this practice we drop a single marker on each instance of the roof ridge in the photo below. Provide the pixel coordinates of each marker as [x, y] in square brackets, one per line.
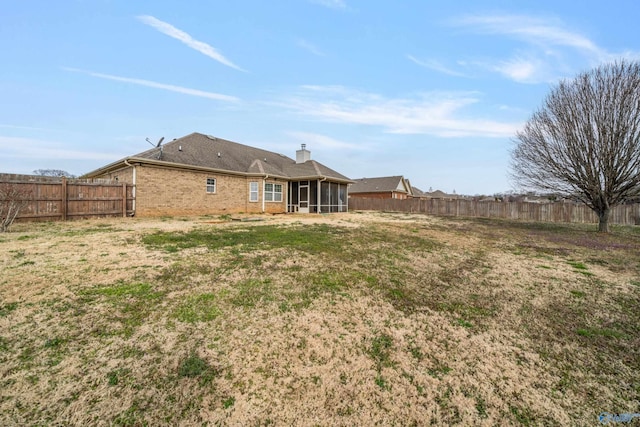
[315, 167]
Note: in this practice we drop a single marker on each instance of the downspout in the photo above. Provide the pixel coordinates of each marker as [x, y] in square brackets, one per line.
[133, 190]
[264, 182]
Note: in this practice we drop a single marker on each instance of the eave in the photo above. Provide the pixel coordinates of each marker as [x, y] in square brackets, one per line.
[129, 161]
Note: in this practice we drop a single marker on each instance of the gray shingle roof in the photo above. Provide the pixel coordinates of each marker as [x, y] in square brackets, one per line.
[416, 191]
[377, 185]
[209, 152]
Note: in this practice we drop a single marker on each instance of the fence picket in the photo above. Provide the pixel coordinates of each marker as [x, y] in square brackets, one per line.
[61, 199]
[528, 211]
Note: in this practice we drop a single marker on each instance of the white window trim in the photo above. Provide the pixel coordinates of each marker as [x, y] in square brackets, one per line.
[273, 192]
[253, 192]
[214, 185]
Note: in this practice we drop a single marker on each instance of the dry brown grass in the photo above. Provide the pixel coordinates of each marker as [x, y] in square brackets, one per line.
[368, 319]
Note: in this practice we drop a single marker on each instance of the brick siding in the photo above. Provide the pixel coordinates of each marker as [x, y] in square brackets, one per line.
[165, 191]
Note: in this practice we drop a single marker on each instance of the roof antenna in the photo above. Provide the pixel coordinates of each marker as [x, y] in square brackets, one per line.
[158, 144]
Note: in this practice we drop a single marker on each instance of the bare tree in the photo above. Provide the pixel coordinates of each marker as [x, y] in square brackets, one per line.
[53, 172]
[12, 199]
[584, 142]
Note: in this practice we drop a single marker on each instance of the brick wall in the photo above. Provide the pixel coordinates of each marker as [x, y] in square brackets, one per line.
[121, 175]
[164, 191]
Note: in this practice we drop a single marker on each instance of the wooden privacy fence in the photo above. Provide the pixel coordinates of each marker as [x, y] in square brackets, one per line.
[49, 199]
[527, 211]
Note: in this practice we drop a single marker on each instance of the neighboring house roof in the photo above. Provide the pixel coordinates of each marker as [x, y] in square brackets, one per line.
[380, 185]
[438, 194]
[417, 192]
[199, 151]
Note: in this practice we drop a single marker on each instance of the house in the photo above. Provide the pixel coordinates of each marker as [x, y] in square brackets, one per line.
[201, 174]
[387, 187]
[416, 192]
[439, 194]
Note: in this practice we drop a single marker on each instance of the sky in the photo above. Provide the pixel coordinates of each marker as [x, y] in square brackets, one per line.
[434, 91]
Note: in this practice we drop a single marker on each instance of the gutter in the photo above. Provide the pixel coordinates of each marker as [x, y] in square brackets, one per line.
[133, 190]
[172, 165]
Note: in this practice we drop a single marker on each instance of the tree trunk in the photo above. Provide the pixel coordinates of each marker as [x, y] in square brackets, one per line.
[603, 217]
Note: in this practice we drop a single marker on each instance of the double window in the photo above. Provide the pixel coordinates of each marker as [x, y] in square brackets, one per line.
[211, 185]
[272, 192]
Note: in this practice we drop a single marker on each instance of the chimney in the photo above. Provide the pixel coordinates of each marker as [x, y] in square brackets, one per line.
[302, 155]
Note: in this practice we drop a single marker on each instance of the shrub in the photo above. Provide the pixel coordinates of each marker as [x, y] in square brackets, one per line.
[12, 199]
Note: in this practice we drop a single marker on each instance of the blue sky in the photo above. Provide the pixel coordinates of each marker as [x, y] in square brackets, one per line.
[434, 91]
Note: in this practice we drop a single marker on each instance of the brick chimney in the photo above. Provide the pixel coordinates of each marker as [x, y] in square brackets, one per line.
[302, 155]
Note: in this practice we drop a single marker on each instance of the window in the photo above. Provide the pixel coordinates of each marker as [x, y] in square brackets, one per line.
[253, 191]
[211, 185]
[273, 192]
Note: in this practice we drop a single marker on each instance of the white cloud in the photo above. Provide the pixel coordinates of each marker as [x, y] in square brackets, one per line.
[309, 47]
[549, 51]
[333, 4]
[185, 38]
[434, 113]
[26, 128]
[522, 70]
[435, 65]
[322, 141]
[29, 148]
[163, 86]
[544, 32]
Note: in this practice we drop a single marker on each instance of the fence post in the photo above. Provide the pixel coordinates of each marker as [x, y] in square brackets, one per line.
[63, 197]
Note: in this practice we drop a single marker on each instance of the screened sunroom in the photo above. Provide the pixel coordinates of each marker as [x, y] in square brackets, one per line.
[317, 196]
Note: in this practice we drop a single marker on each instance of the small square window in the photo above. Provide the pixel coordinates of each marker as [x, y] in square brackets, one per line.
[211, 185]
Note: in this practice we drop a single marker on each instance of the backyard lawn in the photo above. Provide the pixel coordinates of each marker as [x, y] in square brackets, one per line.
[342, 319]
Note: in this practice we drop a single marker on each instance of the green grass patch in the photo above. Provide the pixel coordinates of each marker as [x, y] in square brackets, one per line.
[601, 332]
[380, 350]
[122, 290]
[133, 303]
[228, 402]
[252, 292]
[53, 342]
[481, 407]
[439, 370]
[198, 308]
[524, 416]
[6, 309]
[464, 323]
[194, 366]
[132, 416]
[577, 265]
[117, 376]
[312, 239]
[382, 382]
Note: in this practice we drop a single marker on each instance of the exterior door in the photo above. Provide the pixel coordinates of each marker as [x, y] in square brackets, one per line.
[303, 198]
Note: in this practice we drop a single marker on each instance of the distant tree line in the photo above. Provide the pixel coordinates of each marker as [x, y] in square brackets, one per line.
[57, 173]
